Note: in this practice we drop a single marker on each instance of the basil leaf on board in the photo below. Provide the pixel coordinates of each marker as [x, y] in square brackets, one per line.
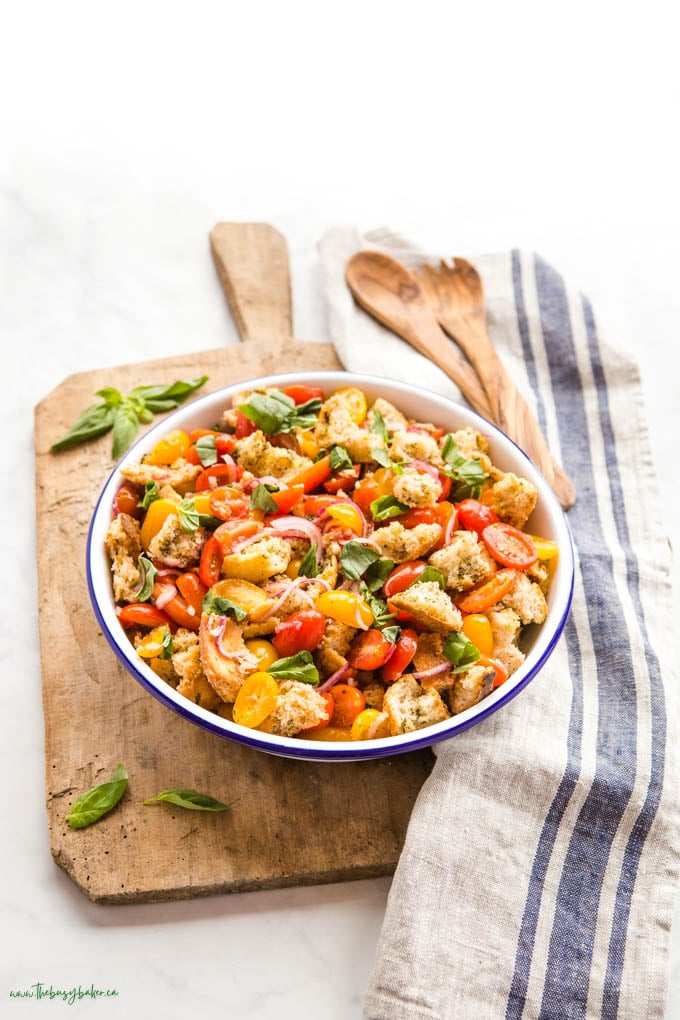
[189, 517]
[98, 801]
[169, 396]
[309, 566]
[376, 575]
[387, 506]
[125, 428]
[167, 646]
[192, 800]
[378, 426]
[340, 459]
[261, 500]
[222, 607]
[110, 395]
[151, 490]
[147, 569]
[295, 667]
[430, 574]
[93, 422]
[460, 651]
[205, 448]
[356, 558]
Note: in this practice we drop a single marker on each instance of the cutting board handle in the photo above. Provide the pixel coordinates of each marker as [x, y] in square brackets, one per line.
[252, 262]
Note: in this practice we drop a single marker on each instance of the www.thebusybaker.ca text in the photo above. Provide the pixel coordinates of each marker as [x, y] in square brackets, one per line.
[69, 995]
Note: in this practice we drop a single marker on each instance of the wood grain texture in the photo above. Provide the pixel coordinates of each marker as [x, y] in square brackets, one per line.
[291, 822]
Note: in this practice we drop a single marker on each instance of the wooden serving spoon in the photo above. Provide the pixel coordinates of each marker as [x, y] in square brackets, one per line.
[456, 296]
[386, 289]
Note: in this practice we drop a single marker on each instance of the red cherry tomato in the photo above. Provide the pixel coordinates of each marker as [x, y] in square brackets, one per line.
[192, 590]
[509, 546]
[286, 499]
[216, 475]
[244, 426]
[445, 483]
[488, 593]
[127, 498]
[227, 502]
[419, 515]
[301, 632]
[141, 614]
[210, 567]
[445, 511]
[301, 393]
[330, 710]
[344, 480]
[349, 701]
[312, 477]
[178, 609]
[474, 516]
[369, 650]
[497, 666]
[233, 531]
[407, 646]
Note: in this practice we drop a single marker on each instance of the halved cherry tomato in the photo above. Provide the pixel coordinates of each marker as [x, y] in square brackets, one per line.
[210, 568]
[445, 483]
[398, 580]
[380, 483]
[418, 515]
[300, 632]
[344, 480]
[495, 664]
[155, 518]
[170, 448]
[244, 426]
[369, 650]
[347, 515]
[330, 712]
[233, 531]
[545, 548]
[179, 610]
[474, 516]
[127, 499]
[345, 607]
[197, 434]
[192, 456]
[216, 475]
[286, 499]
[509, 545]
[349, 701]
[477, 628]
[301, 393]
[255, 700]
[329, 733]
[445, 511]
[407, 646]
[151, 645]
[141, 614]
[312, 477]
[370, 719]
[314, 505]
[354, 400]
[192, 589]
[488, 593]
[307, 443]
[264, 652]
[227, 502]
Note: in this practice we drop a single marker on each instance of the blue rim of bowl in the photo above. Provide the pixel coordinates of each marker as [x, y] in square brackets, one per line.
[293, 747]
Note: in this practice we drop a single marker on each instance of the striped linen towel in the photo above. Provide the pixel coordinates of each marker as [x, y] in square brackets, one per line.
[539, 873]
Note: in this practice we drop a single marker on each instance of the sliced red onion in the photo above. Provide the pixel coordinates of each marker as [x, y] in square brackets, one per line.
[142, 578]
[165, 595]
[434, 671]
[168, 571]
[297, 583]
[232, 465]
[366, 527]
[300, 527]
[115, 509]
[393, 648]
[422, 465]
[334, 678]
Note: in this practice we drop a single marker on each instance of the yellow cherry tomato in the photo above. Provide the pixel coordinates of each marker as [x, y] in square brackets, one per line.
[328, 733]
[202, 503]
[368, 719]
[355, 402]
[293, 568]
[167, 450]
[264, 652]
[255, 700]
[152, 643]
[477, 628]
[346, 607]
[347, 516]
[156, 517]
[546, 549]
[307, 443]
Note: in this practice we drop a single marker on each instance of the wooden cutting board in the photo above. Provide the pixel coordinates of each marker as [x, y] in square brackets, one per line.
[291, 823]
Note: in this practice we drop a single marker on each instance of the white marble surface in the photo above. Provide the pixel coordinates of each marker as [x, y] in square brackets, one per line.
[124, 136]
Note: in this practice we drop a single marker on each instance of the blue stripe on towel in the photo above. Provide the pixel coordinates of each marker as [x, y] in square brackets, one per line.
[640, 830]
[578, 899]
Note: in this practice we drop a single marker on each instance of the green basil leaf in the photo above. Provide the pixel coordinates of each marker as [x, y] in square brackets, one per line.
[460, 651]
[205, 448]
[125, 428]
[170, 395]
[189, 517]
[391, 633]
[340, 459]
[149, 572]
[110, 395]
[295, 667]
[381, 614]
[151, 490]
[378, 572]
[209, 522]
[222, 607]
[383, 458]
[309, 566]
[468, 473]
[276, 412]
[190, 799]
[167, 647]
[387, 506]
[430, 574]
[261, 500]
[356, 558]
[378, 426]
[93, 422]
[98, 801]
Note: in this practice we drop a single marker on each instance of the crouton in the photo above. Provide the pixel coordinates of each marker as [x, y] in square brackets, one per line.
[470, 442]
[505, 628]
[429, 606]
[256, 454]
[225, 672]
[259, 560]
[417, 488]
[410, 707]
[124, 546]
[186, 662]
[464, 561]
[330, 654]
[401, 544]
[295, 600]
[415, 446]
[429, 655]
[394, 419]
[175, 547]
[470, 687]
[512, 498]
[298, 706]
[375, 695]
[180, 475]
[539, 572]
[527, 599]
[337, 427]
[329, 569]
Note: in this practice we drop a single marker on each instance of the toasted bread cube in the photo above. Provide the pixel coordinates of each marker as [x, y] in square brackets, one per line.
[429, 606]
[298, 706]
[464, 561]
[336, 426]
[124, 546]
[471, 444]
[186, 662]
[330, 654]
[375, 695]
[401, 544]
[470, 687]
[175, 547]
[415, 446]
[527, 599]
[410, 707]
[429, 655]
[225, 673]
[180, 475]
[512, 498]
[417, 488]
[505, 628]
[394, 419]
[255, 454]
[258, 561]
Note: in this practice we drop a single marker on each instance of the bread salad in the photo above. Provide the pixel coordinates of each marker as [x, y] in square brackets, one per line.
[321, 567]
